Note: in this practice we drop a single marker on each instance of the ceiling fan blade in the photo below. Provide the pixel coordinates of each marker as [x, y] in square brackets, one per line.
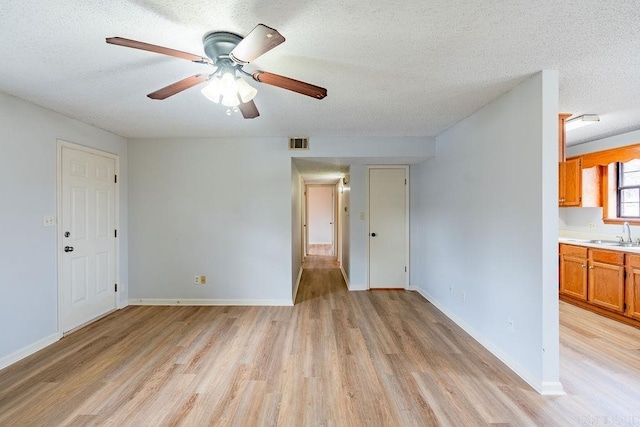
[259, 41]
[157, 49]
[249, 110]
[290, 84]
[177, 87]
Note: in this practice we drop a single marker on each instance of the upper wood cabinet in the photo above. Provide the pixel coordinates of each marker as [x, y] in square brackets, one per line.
[570, 185]
[577, 186]
[562, 137]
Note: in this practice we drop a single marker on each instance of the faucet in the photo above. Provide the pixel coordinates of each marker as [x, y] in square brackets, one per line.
[627, 228]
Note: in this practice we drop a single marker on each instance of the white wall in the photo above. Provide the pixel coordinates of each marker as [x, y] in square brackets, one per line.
[484, 228]
[214, 207]
[358, 262]
[222, 207]
[578, 219]
[28, 266]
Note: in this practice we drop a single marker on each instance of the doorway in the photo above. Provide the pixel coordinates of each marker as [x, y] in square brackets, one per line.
[87, 234]
[320, 230]
[388, 227]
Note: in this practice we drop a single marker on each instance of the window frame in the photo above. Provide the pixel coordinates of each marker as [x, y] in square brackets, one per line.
[619, 188]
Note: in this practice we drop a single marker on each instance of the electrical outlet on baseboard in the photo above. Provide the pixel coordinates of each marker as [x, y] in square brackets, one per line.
[591, 225]
[196, 280]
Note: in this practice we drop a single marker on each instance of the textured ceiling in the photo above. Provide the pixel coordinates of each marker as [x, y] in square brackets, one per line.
[409, 68]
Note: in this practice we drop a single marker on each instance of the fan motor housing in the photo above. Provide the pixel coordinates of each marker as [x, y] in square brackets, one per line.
[220, 43]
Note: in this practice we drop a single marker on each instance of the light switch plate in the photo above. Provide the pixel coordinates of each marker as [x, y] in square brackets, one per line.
[48, 221]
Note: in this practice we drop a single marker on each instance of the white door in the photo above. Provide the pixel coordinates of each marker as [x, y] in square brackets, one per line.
[321, 214]
[387, 227]
[87, 237]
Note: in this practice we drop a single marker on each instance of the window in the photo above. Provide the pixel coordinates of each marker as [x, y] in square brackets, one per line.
[629, 189]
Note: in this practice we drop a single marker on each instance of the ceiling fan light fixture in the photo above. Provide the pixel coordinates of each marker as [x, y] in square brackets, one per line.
[228, 90]
[580, 121]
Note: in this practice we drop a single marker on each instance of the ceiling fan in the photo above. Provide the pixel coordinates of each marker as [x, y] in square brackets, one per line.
[228, 53]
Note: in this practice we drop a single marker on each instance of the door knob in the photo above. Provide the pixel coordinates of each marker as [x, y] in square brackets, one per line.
[373, 234]
[68, 248]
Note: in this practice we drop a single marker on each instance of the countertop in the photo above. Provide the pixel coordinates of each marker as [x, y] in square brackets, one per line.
[587, 242]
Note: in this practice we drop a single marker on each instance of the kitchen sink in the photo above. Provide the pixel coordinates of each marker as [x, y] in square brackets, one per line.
[607, 243]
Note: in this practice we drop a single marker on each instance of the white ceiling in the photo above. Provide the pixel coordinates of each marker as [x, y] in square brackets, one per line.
[410, 68]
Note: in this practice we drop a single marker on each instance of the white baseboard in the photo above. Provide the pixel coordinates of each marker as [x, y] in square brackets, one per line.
[29, 350]
[217, 302]
[353, 287]
[545, 388]
[552, 388]
[344, 276]
[295, 290]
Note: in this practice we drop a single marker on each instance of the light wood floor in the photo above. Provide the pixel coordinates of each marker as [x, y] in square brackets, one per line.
[320, 249]
[383, 358]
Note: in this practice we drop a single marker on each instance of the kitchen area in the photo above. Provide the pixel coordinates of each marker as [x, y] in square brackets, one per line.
[599, 225]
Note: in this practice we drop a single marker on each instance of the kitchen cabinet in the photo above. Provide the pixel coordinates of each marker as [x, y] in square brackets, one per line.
[606, 279]
[573, 271]
[570, 185]
[633, 286]
[578, 187]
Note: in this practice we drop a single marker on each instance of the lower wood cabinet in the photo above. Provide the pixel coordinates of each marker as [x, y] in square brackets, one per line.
[573, 271]
[604, 281]
[633, 286]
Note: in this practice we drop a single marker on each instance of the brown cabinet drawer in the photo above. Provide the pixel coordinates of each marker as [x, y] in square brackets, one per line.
[608, 257]
[633, 260]
[578, 251]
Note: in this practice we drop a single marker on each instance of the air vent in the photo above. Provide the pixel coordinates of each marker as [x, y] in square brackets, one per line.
[298, 143]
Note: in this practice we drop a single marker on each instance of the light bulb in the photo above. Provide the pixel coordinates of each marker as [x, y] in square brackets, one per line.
[229, 90]
[213, 91]
[245, 90]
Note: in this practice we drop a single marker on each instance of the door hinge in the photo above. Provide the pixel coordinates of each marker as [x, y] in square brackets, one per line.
[116, 287]
[115, 233]
[405, 181]
[115, 178]
[405, 268]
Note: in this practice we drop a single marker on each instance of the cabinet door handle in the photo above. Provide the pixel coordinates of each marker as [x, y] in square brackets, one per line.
[583, 266]
[591, 267]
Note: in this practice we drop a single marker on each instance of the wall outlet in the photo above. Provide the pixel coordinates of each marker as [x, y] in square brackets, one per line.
[362, 215]
[196, 280]
[510, 325]
[591, 225]
[48, 221]
[451, 287]
[464, 296]
[203, 280]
